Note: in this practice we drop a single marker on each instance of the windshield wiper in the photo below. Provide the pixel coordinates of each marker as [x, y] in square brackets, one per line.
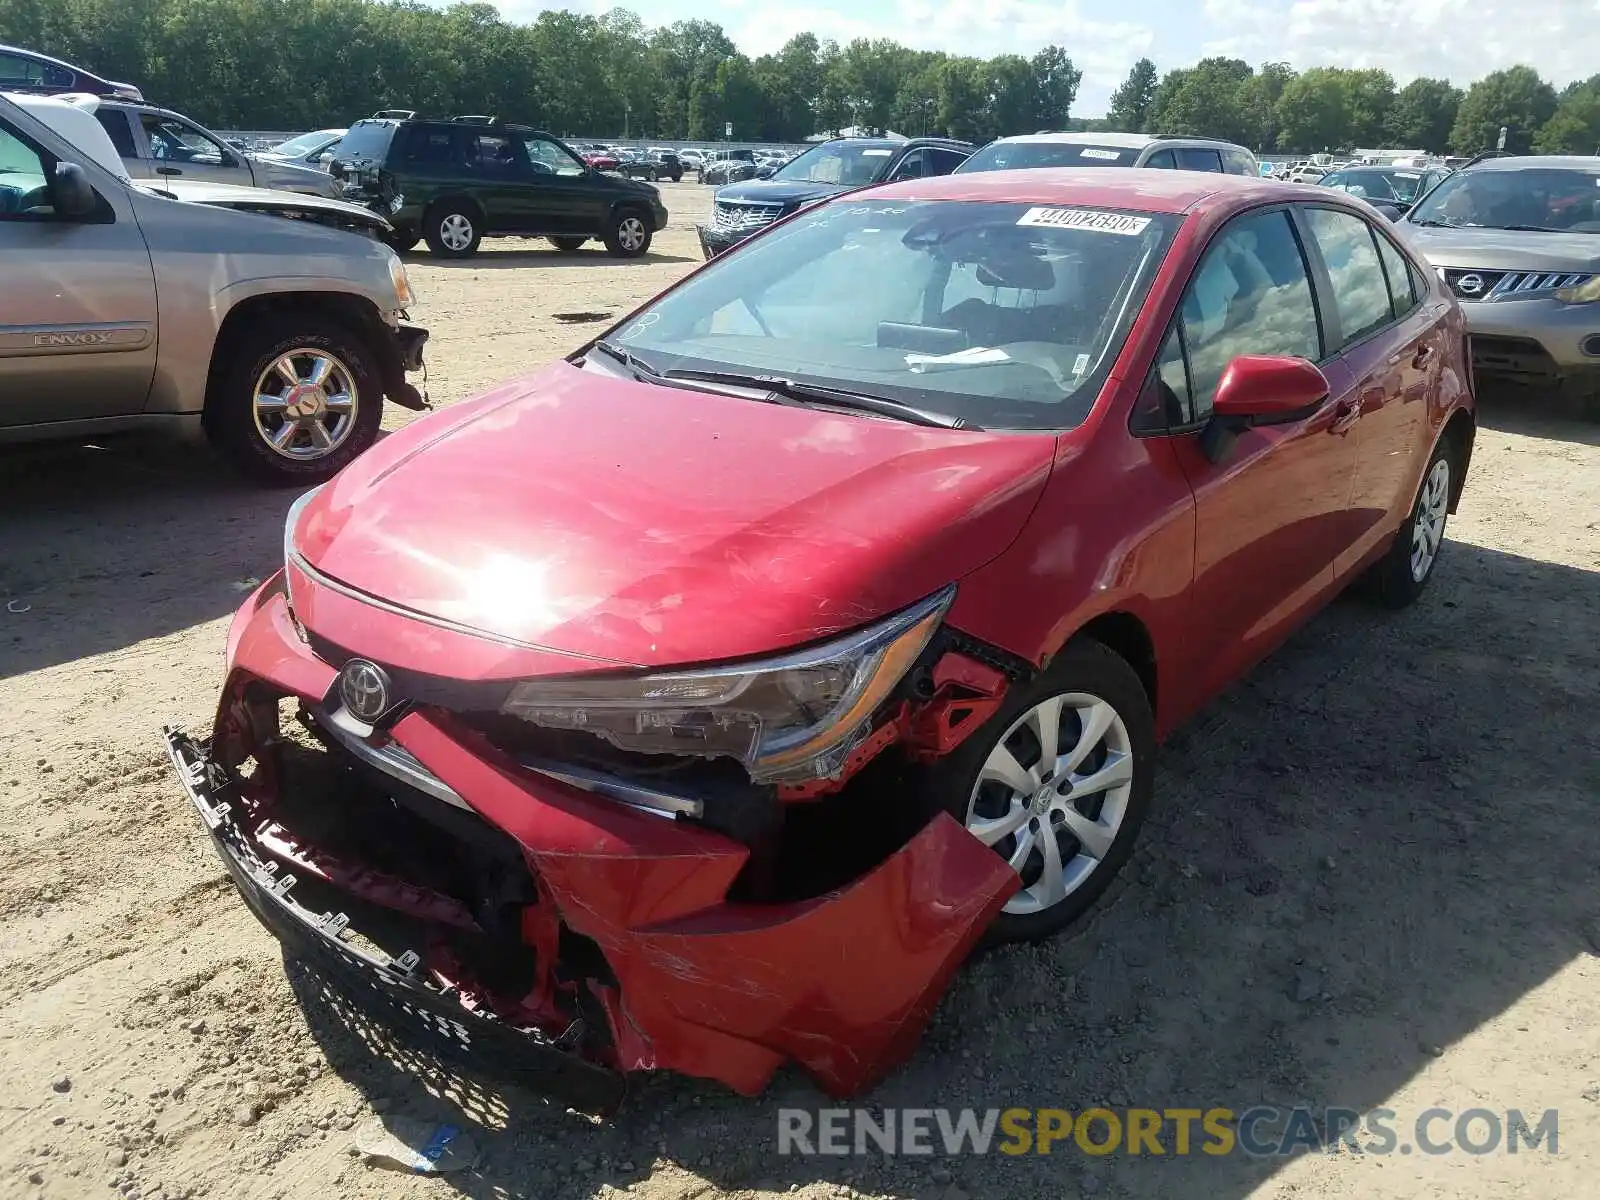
[1530, 228]
[1432, 224]
[793, 389]
[777, 387]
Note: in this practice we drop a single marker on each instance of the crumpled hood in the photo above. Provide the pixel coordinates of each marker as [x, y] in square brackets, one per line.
[653, 526]
[1505, 249]
[777, 191]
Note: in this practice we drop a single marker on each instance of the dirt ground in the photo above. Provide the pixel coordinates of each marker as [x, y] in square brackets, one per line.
[1369, 881]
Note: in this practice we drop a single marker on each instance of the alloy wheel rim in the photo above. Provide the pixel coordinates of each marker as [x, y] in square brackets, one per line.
[1053, 794]
[305, 404]
[455, 231]
[1427, 528]
[631, 233]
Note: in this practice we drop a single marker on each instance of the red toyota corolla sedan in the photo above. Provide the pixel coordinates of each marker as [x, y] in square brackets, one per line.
[699, 701]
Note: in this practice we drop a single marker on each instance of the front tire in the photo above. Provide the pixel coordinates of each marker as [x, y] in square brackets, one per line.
[1399, 577]
[1057, 782]
[297, 398]
[453, 231]
[628, 233]
[402, 240]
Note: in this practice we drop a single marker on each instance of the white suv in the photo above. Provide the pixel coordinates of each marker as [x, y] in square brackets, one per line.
[1112, 150]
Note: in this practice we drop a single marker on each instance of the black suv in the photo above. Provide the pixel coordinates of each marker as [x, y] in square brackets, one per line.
[455, 182]
[840, 165]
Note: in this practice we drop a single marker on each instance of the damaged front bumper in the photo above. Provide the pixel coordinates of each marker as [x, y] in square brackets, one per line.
[533, 926]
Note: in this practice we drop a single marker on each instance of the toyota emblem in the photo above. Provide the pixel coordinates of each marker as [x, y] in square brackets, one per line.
[1469, 285]
[364, 688]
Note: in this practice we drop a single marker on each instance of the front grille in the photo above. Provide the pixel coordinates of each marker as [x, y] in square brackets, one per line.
[731, 217]
[1500, 285]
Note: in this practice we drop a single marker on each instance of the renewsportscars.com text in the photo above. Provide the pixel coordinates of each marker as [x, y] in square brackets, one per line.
[1263, 1131]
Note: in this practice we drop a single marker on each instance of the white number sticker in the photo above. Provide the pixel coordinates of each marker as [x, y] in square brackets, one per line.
[1083, 218]
[1096, 152]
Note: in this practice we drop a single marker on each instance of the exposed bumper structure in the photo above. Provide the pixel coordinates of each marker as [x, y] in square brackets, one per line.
[554, 934]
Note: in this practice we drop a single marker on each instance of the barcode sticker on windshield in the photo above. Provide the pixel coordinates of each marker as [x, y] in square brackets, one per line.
[1083, 218]
[1096, 152]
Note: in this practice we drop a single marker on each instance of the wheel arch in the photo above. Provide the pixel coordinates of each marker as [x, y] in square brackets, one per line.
[1460, 431]
[464, 200]
[353, 312]
[1128, 637]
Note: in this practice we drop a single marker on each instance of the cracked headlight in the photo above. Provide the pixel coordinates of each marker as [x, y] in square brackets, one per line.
[794, 717]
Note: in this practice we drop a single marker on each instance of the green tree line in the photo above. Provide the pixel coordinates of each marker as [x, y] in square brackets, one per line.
[1332, 108]
[300, 64]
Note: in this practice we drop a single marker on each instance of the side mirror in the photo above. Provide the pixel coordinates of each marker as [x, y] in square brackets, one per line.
[1260, 389]
[71, 194]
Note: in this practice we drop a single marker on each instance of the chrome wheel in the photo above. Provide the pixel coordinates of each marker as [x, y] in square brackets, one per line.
[305, 404]
[1053, 794]
[1427, 528]
[630, 233]
[455, 231]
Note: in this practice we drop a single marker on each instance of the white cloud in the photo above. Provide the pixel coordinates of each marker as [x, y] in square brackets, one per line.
[1461, 40]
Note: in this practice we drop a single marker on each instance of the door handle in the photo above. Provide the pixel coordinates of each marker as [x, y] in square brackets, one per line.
[169, 171]
[1422, 357]
[1345, 414]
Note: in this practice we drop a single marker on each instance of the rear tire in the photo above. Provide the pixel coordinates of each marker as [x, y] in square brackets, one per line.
[1399, 577]
[1104, 730]
[628, 233]
[568, 244]
[244, 414]
[453, 231]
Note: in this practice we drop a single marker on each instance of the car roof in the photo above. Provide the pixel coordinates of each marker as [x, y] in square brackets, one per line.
[48, 58]
[1128, 141]
[1142, 189]
[1565, 162]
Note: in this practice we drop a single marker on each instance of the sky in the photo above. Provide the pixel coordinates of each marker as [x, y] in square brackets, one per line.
[1459, 40]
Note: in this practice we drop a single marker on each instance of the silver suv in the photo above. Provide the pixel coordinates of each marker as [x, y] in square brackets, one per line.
[1518, 242]
[155, 143]
[1111, 150]
[126, 309]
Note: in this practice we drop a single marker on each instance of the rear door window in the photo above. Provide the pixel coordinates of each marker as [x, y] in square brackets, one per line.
[1398, 270]
[1360, 290]
[1195, 158]
[434, 146]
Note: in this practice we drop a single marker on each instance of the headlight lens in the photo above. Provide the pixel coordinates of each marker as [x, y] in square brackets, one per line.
[791, 718]
[1581, 293]
[289, 522]
[403, 295]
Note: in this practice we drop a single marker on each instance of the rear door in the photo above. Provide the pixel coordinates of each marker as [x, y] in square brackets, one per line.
[502, 180]
[1270, 516]
[78, 302]
[1392, 345]
[178, 148]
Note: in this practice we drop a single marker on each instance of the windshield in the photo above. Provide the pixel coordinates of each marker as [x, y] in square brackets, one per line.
[1394, 184]
[843, 163]
[304, 144]
[367, 140]
[1558, 199]
[1012, 156]
[1005, 315]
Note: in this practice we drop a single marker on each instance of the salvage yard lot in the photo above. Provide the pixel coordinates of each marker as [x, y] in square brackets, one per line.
[1369, 878]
